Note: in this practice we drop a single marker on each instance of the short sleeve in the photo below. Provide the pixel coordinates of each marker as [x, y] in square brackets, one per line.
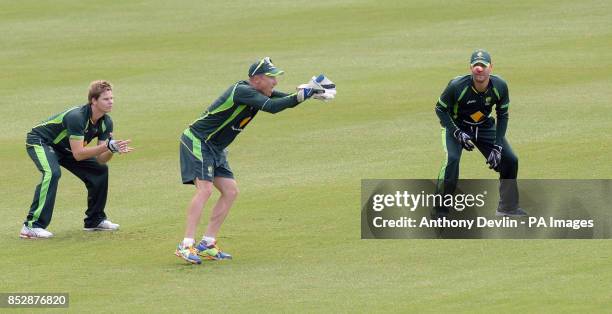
[106, 128]
[75, 125]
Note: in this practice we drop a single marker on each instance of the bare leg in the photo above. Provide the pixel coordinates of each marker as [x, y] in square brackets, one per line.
[229, 192]
[194, 211]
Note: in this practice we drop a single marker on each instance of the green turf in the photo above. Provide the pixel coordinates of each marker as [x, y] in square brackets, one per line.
[295, 229]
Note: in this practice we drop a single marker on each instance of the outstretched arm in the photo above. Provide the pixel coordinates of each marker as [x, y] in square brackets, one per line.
[278, 94]
[251, 97]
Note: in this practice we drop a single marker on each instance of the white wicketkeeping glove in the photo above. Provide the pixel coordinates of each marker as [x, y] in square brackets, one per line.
[324, 89]
[112, 146]
[329, 94]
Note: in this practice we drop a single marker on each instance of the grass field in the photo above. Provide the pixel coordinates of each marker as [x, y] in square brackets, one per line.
[295, 229]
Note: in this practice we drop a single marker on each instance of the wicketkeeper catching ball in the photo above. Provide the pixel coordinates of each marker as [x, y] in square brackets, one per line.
[203, 155]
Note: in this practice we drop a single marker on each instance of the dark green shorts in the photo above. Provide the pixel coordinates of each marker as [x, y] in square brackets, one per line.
[200, 160]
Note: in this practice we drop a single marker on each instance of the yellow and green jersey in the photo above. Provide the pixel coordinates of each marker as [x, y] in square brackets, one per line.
[233, 111]
[72, 124]
[462, 105]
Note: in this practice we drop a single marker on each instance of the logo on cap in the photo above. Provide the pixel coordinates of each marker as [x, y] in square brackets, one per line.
[266, 67]
[480, 56]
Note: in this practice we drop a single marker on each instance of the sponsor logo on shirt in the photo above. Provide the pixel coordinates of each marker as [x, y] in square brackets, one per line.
[242, 124]
[476, 116]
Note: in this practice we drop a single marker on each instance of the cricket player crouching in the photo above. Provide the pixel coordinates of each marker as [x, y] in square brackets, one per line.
[62, 140]
[464, 110]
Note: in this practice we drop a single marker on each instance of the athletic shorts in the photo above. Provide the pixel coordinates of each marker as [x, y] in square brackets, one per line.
[200, 160]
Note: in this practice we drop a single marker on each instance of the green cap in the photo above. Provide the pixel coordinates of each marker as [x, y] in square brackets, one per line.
[264, 66]
[480, 56]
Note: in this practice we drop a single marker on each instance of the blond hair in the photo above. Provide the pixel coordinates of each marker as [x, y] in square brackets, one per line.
[96, 88]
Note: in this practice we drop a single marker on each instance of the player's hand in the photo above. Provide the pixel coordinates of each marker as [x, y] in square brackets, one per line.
[328, 95]
[305, 93]
[119, 146]
[464, 139]
[322, 88]
[494, 159]
[112, 146]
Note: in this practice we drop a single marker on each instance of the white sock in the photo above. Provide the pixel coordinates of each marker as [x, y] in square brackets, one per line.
[208, 239]
[187, 242]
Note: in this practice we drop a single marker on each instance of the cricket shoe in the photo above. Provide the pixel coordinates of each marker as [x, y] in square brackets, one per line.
[518, 212]
[105, 225]
[211, 251]
[34, 233]
[189, 254]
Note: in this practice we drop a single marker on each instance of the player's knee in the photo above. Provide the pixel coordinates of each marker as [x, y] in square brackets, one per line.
[453, 159]
[511, 159]
[56, 174]
[231, 192]
[103, 170]
[204, 191]
[100, 176]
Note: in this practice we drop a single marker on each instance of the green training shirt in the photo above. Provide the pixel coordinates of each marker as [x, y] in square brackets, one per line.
[462, 105]
[72, 124]
[231, 113]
